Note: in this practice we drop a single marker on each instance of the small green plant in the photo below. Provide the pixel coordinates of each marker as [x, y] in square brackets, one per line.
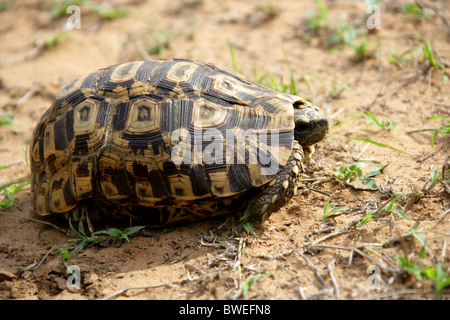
[316, 21]
[346, 36]
[53, 40]
[336, 90]
[4, 4]
[327, 213]
[366, 218]
[81, 236]
[361, 49]
[233, 56]
[282, 86]
[84, 239]
[63, 252]
[269, 9]
[10, 190]
[248, 283]
[384, 124]
[7, 120]
[272, 83]
[379, 144]
[434, 179]
[412, 9]
[247, 221]
[390, 207]
[403, 58]
[353, 175]
[59, 8]
[443, 129]
[417, 234]
[292, 87]
[159, 41]
[439, 277]
[119, 234]
[429, 53]
[109, 13]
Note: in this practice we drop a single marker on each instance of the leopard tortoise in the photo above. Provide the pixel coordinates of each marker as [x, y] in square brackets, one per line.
[170, 141]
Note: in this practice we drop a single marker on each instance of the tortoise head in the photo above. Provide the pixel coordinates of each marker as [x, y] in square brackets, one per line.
[311, 125]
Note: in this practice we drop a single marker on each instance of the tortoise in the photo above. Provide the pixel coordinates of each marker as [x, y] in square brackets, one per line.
[169, 141]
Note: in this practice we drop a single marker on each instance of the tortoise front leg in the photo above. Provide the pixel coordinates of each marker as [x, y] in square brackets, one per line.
[280, 189]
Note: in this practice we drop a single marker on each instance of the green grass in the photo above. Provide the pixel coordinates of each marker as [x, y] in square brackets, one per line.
[247, 221]
[108, 13]
[390, 207]
[54, 39]
[84, 239]
[9, 191]
[437, 274]
[233, 56]
[119, 234]
[346, 36]
[443, 129]
[6, 120]
[435, 176]
[59, 9]
[63, 252]
[429, 55]
[250, 282]
[81, 236]
[336, 90]
[316, 20]
[414, 10]
[159, 41]
[379, 144]
[290, 87]
[5, 4]
[385, 124]
[327, 212]
[403, 58]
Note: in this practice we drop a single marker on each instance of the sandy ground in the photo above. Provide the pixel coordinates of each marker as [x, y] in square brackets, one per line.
[297, 253]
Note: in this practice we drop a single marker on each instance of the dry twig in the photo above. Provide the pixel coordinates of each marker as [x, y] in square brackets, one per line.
[317, 273]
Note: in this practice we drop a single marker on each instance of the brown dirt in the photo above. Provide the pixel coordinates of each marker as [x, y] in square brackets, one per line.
[214, 259]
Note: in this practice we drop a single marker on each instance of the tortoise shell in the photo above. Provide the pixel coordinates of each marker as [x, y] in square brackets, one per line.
[154, 137]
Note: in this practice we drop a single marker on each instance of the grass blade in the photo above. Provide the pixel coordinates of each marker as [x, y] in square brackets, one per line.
[372, 142]
[233, 56]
